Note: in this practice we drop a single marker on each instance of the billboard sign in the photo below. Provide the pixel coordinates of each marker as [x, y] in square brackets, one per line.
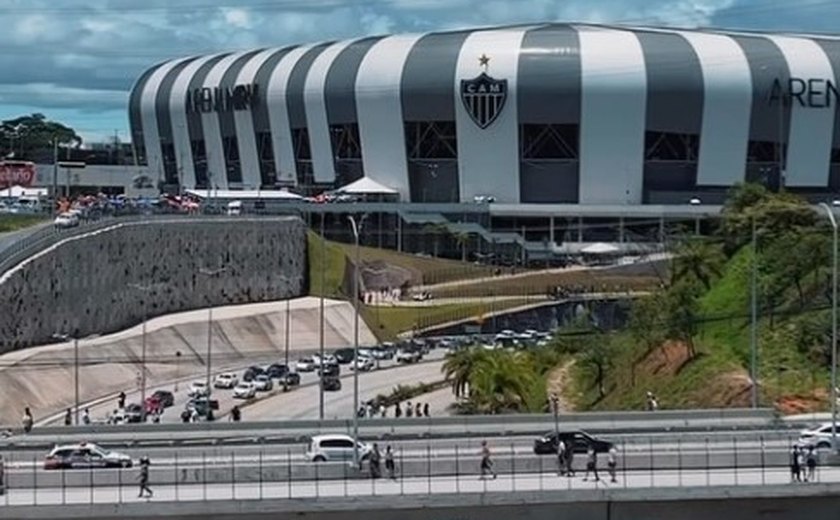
[17, 173]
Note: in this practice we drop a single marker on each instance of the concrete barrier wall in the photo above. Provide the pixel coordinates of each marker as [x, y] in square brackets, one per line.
[818, 502]
[82, 284]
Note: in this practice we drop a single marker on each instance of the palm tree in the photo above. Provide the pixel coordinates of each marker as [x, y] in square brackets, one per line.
[435, 230]
[457, 368]
[462, 239]
[699, 259]
[501, 381]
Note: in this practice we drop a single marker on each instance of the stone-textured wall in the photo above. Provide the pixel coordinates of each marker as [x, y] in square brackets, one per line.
[84, 285]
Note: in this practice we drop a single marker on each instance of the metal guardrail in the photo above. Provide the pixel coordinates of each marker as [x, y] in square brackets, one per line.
[31, 244]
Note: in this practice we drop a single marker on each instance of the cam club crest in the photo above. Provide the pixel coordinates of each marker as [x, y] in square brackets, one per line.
[483, 96]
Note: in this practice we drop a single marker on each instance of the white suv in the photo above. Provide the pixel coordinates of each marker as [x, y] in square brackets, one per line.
[226, 380]
[334, 448]
[407, 356]
[818, 436]
[245, 390]
[198, 389]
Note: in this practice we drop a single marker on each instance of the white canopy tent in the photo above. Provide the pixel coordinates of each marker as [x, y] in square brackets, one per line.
[274, 195]
[17, 192]
[366, 186]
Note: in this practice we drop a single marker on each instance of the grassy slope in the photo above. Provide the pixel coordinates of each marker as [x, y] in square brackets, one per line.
[724, 350]
[17, 222]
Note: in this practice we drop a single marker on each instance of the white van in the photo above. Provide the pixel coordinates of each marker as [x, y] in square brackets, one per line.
[234, 207]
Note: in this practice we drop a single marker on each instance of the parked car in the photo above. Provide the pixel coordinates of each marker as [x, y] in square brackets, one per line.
[85, 455]
[202, 405]
[343, 355]
[382, 352]
[263, 383]
[277, 370]
[165, 397]
[226, 380]
[819, 436]
[292, 379]
[335, 448]
[305, 365]
[366, 364]
[198, 389]
[245, 390]
[578, 440]
[329, 359]
[329, 370]
[407, 356]
[331, 383]
[251, 373]
[153, 404]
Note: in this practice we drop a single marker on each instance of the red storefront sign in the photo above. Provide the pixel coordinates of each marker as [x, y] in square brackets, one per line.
[16, 173]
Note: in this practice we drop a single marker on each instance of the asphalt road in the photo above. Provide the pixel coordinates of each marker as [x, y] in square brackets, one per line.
[299, 403]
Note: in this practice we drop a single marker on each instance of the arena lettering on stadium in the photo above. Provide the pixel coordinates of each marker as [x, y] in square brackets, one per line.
[222, 99]
[16, 173]
[811, 92]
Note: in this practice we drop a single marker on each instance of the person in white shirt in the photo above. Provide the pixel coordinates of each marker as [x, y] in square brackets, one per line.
[612, 462]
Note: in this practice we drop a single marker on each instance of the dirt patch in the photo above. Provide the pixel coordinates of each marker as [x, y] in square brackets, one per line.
[792, 404]
[556, 383]
[667, 360]
[727, 390]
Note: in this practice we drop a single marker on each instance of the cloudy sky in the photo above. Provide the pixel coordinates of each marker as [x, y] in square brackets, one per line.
[75, 60]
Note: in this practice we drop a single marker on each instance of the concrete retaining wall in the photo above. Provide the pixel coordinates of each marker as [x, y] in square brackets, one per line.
[82, 285]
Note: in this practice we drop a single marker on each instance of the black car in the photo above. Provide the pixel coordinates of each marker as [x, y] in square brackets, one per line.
[252, 373]
[344, 355]
[578, 440]
[292, 379]
[330, 370]
[331, 384]
[165, 397]
[277, 370]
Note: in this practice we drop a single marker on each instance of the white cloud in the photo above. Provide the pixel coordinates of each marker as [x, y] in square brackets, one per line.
[238, 18]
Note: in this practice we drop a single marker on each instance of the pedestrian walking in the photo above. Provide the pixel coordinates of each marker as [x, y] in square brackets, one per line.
[486, 462]
[235, 414]
[68, 418]
[591, 463]
[86, 417]
[27, 421]
[795, 468]
[383, 410]
[2, 476]
[397, 410]
[419, 410]
[144, 478]
[375, 457]
[612, 463]
[570, 459]
[389, 463]
[561, 457]
[811, 463]
[426, 410]
[409, 410]
[121, 400]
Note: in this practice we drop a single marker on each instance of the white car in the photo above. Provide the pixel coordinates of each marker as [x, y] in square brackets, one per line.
[226, 380]
[263, 383]
[245, 390]
[85, 455]
[198, 389]
[818, 436]
[366, 364]
[335, 448]
[407, 356]
[329, 359]
[66, 220]
[305, 365]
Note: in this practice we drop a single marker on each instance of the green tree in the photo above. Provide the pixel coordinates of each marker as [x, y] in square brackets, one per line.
[462, 239]
[682, 314]
[457, 367]
[22, 136]
[436, 231]
[598, 355]
[697, 258]
[647, 321]
[501, 381]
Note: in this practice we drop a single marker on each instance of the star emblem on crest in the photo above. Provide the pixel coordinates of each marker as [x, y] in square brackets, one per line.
[484, 61]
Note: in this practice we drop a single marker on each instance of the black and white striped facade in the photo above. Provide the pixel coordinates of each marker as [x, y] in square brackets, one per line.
[590, 115]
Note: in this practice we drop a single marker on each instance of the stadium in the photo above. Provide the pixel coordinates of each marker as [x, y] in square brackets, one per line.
[557, 114]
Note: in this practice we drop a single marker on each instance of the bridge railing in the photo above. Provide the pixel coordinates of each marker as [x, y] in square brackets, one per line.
[418, 469]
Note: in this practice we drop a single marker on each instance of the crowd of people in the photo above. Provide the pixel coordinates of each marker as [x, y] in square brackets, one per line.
[372, 409]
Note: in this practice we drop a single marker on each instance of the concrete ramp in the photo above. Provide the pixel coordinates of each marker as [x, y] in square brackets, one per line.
[43, 377]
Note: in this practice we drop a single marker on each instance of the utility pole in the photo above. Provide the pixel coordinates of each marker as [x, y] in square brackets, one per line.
[357, 228]
[210, 273]
[323, 290]
[55, 176]
[754, 319]
[830, 212]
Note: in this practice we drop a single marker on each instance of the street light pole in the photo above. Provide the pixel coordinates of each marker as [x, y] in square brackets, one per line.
[357, 227]
[833, 221]
[555, 403]
[323, 290]
[76, 374]
[210, 273]
[754, 319]
[146, 289]
[288, 311]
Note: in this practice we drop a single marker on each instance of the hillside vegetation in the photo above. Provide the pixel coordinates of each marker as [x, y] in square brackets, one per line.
[690, 343]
